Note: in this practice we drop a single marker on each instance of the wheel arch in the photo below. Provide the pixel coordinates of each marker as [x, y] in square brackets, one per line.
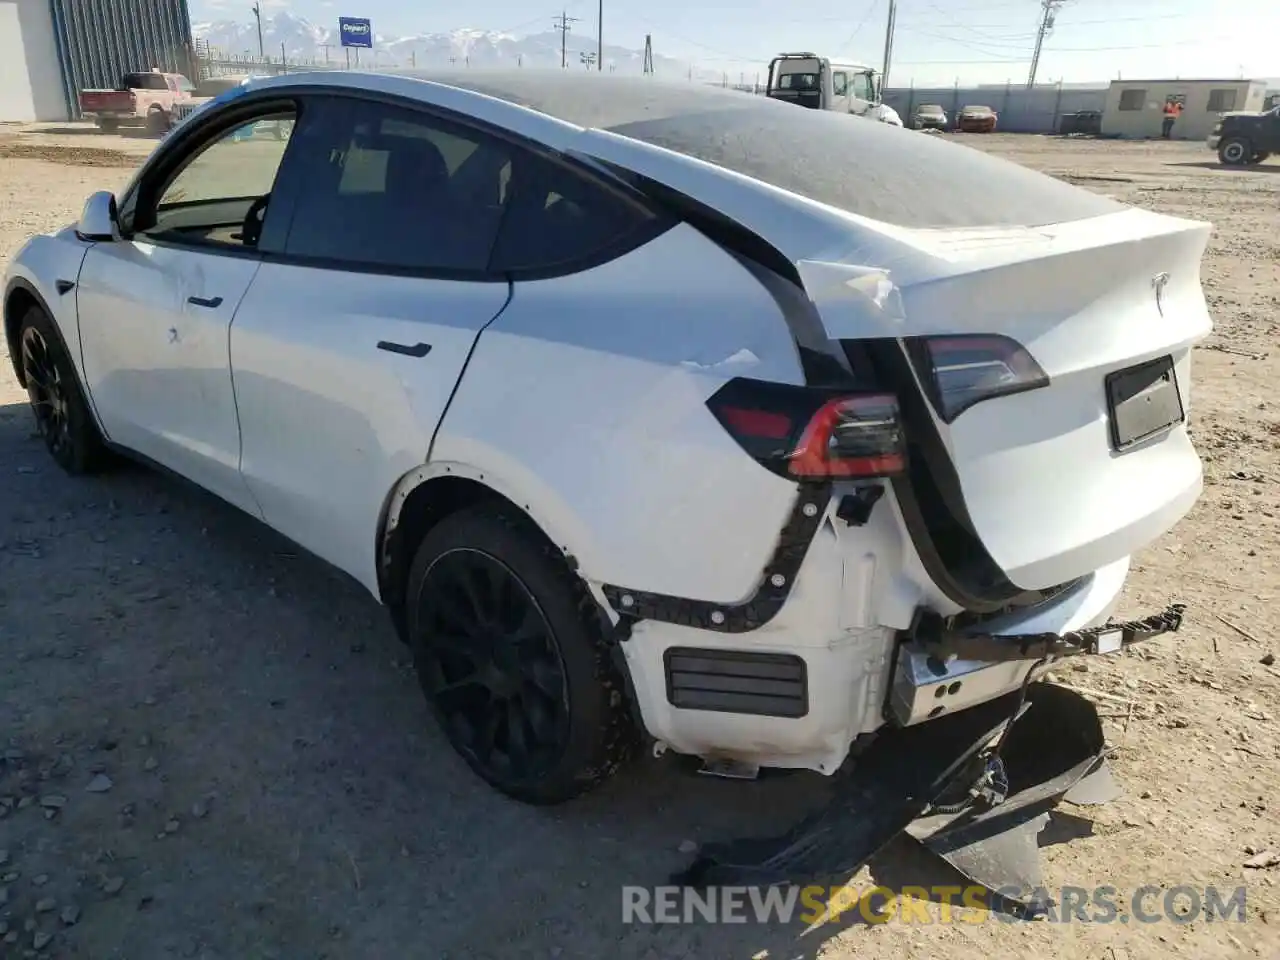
[430, 493]
[19, 297]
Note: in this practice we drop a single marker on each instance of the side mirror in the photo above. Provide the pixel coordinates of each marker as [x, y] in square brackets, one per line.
[99, 219]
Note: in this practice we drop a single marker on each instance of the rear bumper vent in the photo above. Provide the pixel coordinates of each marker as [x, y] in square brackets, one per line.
[729, 681]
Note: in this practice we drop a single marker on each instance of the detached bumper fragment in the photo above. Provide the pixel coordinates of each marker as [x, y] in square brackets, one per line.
[975, 787]
[977, 805]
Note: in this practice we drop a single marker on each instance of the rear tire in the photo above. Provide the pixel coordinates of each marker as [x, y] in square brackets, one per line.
[1235, 152]
[62, 415]
[510, 650]
[157, 121]
[109, 125]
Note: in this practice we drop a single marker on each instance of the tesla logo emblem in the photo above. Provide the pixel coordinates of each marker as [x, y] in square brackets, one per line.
[1158, 283]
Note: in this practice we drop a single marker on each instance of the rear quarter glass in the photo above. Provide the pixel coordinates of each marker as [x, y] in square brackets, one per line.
[899, 178]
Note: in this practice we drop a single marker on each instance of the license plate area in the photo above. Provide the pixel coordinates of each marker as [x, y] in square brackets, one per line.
[1143, 401]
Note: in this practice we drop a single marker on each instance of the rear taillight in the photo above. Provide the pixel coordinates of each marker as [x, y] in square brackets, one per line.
[961, 370]
[812, 434]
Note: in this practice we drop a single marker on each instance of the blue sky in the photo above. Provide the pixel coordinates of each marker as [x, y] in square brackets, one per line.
[937, 41]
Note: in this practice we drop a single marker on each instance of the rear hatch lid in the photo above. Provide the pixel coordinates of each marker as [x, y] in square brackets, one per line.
[1081, 462]
[1053, 482]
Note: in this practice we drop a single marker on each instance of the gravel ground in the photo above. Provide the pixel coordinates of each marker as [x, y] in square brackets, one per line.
[214, 746]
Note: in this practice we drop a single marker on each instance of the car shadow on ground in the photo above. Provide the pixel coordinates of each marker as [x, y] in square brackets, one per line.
[276, 785]
[1264, 167]
[90, 130]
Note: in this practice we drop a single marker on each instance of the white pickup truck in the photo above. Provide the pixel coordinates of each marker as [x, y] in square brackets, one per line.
[819, 83]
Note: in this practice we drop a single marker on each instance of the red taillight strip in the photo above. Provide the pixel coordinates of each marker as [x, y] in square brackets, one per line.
[813, 457]
[758, 423]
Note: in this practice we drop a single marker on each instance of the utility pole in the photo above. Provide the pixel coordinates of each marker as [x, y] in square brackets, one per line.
[562, 24]
[888, 43]
[257, 13]
[600, 37]
[1048, 12]
[648, 53]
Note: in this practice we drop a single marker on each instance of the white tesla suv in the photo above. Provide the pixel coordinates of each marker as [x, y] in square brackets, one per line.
[644, 408]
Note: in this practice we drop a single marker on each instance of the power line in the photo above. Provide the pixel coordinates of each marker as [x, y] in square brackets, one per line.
[1140, 46]
[866, 17]
[994, 49]
[572, 5]
[964, 26]
[1085, 23]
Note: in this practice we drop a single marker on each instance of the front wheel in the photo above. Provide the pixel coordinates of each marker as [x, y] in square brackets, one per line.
[61, 413]
[511, 654]
[1235, 152]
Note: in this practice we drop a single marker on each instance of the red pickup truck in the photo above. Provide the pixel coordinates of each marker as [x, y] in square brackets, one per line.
[146, 97]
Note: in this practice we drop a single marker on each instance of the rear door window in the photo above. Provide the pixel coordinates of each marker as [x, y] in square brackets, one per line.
[394, 188]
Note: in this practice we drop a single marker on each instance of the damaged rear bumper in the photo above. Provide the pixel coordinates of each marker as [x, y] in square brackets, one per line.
[797, 697]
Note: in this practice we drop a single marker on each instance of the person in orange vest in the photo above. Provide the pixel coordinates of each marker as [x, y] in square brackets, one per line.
[1172, 110]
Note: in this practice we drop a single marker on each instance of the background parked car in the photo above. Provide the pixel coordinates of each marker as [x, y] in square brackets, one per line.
[147, 97]
[929, 116]
[977, 119]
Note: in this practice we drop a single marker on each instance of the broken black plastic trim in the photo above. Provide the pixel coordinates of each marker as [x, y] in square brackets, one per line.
[1003, 647]
[767, 600]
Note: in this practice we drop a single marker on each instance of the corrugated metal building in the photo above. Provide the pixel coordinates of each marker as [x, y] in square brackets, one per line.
[51, 49]
[1135, 108]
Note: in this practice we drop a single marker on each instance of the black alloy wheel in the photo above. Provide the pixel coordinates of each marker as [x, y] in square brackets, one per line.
[513, 655]
[491, 667]
[50, 400]
[62, 416]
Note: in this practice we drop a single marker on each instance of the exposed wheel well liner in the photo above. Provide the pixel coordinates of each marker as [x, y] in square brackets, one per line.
[413, 511]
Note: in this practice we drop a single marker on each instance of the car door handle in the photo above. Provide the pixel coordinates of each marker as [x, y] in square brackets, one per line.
[417, 350]
[205, 301]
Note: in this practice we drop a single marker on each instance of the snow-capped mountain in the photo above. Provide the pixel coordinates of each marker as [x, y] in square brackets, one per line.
[305, 41]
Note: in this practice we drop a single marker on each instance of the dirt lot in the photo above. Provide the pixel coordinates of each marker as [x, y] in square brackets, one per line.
[276, 789]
